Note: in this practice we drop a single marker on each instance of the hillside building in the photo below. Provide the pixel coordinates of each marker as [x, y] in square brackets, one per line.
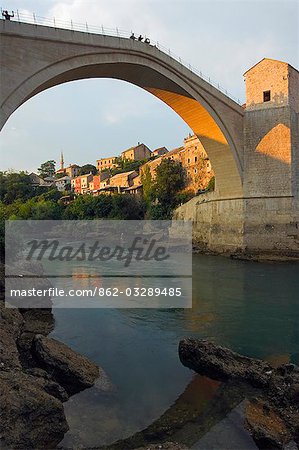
[63, 183]
[123, 180]
[193, 158]
[80, 185]
[99, 182]
[159, 151]
[137, 153]
[38, 181]
[106, 163]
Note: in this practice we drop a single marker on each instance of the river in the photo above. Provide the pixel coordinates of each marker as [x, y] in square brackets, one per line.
[250, 307]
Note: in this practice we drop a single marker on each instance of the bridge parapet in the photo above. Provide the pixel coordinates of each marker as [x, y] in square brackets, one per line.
[71, 25]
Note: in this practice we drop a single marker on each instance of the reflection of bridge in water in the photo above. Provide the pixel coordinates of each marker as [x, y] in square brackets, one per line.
[200, 409]
[253, 150]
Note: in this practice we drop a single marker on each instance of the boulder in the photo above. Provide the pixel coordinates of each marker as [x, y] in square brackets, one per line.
[272, 417]
[38, 321]
[223, 364]
[11, 320]
[10, 324]
[265, 425]
[46, 382]
[35, 321]
[30, 418]
[9, 355]
[71, 370]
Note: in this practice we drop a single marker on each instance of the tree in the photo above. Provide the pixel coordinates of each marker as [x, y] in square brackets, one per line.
[88, 168]
[46, 210]
[15, 186]
[126, 165]
[47, 169]
[60, 175]
[117, 206]
[170, 179]
[211, 184]
[159, 212]
[148, 186]
[51, 194]
[126, 207]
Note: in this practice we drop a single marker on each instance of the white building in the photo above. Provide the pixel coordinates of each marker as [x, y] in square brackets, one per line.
[63, 183]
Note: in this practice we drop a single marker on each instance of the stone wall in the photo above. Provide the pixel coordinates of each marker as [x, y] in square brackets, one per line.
[271, 226]
[293, 89]
[217, 224]
[266, 227]
[268, 152]
[267, 75]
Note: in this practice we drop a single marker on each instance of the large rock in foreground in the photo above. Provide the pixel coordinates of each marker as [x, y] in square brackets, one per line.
[10, 323]
[29, 416]
[272, 416]
[70, 369]
[221, 363]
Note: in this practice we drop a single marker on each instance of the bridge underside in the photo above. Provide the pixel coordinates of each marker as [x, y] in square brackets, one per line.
[224, 160]
[36, 63]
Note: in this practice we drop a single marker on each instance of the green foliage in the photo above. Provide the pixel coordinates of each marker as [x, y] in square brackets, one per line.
[16, 186]
[126, 207]
[211, 184]
[81, 208]
[183, 197]
[47, 169]
[88, 168]
[118, 206]
[2, 241]
[60, 175]
[127, 165]
[46, 209]
[34, 209]
[51, 194]
[148, 186]
[159, 212]
[170, 179]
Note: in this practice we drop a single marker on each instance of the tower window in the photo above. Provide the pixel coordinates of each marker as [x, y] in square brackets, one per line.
[267, 96]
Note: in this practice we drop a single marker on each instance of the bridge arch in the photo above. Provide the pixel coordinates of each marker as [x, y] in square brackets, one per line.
[215, 119]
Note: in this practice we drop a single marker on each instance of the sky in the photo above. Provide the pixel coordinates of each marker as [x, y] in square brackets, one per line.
[90, 119]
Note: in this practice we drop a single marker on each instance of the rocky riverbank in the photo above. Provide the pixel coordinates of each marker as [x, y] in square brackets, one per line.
[37, 374]
[272, 411]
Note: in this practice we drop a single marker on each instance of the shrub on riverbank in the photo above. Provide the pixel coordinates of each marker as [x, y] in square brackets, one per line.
[83, 207]
[122, 207]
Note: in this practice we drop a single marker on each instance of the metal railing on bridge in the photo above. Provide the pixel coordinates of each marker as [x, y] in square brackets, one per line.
[34, 19]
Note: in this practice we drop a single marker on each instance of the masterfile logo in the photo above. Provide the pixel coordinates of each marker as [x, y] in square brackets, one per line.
[99, 263]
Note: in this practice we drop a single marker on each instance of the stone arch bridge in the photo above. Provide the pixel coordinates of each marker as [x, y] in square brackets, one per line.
[35, 58]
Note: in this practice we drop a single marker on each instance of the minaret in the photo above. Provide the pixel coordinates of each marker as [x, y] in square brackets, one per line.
[61, 161]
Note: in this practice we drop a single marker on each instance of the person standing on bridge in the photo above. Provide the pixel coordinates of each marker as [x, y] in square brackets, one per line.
[147, 41]
[133, 37]
[6, 14]
[140, 39]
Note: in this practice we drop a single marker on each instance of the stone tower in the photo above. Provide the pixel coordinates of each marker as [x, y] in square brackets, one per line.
[271, 155]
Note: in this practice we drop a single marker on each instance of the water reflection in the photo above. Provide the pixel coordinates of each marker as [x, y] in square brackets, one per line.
[250, 307]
